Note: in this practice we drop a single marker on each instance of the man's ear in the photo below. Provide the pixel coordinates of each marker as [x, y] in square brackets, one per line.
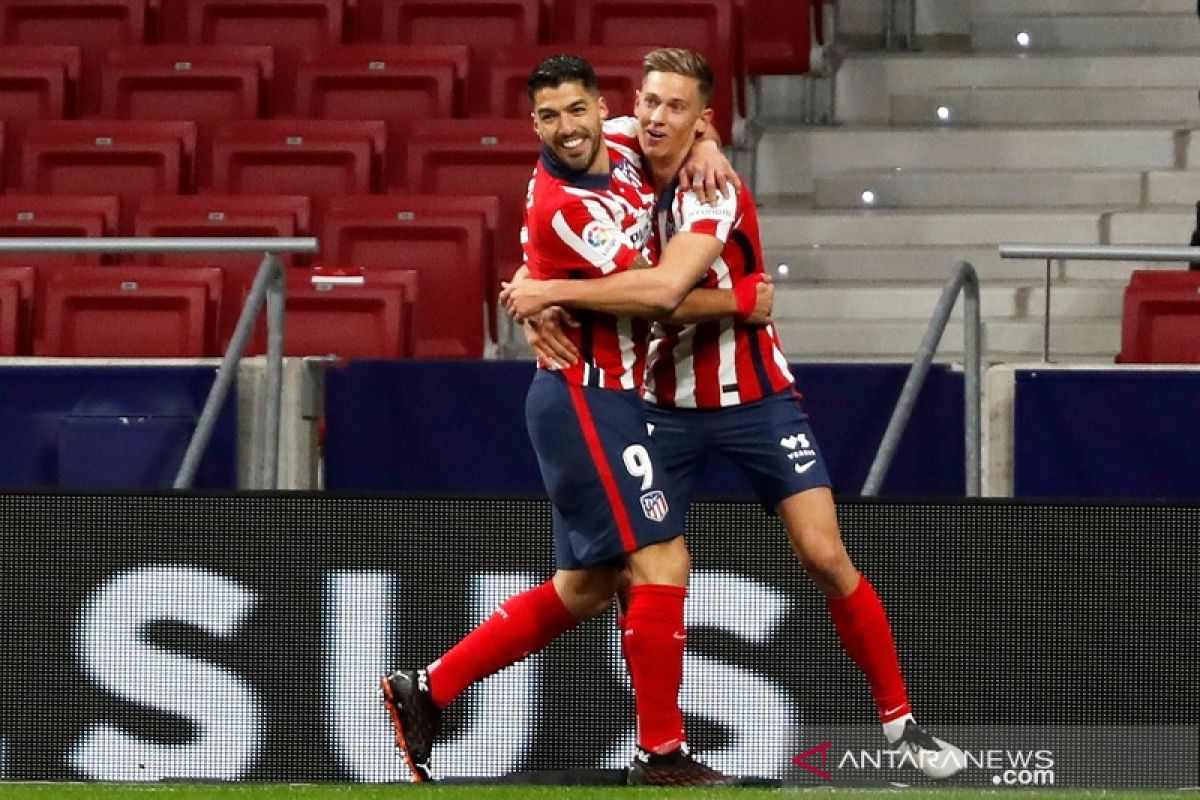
[705, 121]
[603, 107]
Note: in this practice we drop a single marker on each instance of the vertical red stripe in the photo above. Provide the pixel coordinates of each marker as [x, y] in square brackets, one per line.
[706, 363]
[592, 437]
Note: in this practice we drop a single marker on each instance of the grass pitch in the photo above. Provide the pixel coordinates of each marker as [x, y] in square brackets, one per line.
[275, 791]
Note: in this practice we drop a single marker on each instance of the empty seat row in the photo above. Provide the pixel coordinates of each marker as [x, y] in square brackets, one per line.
[782, 31]
[1161, 319]
[446, 245]
[173, 312]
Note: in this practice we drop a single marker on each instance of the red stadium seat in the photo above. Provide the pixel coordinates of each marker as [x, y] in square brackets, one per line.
[780, 35]
[445, 250]
[397, 84]
[317, 158]
[479, 157]
[210, 85]
[498, 89]
[67, 57]
[222, 215]
[1161, 320]
[44, 215]
[485, 24]
[129, 311]
[129, 159]
[292, 27]
[369, 320]
[16, 310]
[94, 26]
[711, 27]
[483, 207]
[30, 89]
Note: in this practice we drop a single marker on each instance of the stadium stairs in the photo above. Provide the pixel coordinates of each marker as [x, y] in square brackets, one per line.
[1083, 136]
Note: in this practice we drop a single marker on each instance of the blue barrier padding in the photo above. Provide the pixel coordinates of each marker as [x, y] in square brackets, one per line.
[459, 426]
[1106, 433]
[109, 427]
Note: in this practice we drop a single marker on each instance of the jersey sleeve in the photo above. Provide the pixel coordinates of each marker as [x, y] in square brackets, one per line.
[587, 230]
[621, 133]
[695, 216]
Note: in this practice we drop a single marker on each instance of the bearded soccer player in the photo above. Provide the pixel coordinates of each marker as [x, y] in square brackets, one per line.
[588, 214]
[724, 386]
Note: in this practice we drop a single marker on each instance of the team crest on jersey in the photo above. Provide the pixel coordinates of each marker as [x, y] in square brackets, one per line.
[654, 505]
[601, 238]
[627, 172]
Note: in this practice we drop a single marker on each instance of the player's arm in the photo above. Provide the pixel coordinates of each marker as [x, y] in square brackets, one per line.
[751, 300]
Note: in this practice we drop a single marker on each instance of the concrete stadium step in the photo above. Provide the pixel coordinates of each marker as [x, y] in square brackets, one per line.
[867, 81]
[790, 158]
[1087, 32]
[1067, 105]
[978, 189]
[1151, 226]
[898, 301]
[1192, 157]
[1003, 340]
[891, 263]
[923, 228]
[998, 8]
[1174, 186]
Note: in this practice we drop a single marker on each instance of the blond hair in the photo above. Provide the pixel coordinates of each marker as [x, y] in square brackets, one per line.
[681, 61]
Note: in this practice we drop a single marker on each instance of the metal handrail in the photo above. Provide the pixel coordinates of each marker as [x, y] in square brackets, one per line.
[963, 280]
[1096, 252]
[268, 286]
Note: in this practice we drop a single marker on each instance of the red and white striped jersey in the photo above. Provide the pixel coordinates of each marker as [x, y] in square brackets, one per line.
[724, 362]
[579, 225]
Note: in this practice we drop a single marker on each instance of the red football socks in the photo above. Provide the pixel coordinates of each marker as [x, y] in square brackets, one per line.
[863, 627]
[653, 641]
[523, 624]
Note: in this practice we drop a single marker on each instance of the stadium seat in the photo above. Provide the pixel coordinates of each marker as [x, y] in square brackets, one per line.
[316, 158]
[480, 24]
[396, 84]
[708, 26]
[94, 26]
[16, 310]
[292, 27]
[499, 78]
[780, 35]
[483, 207]
[222, 215]
[479, 157]
[208, 84]
[126, 158]
[129, 311]
[445, 250]
[1161, 320]
[368, 320]
[31, 88]
[45, 215]
[67, 57]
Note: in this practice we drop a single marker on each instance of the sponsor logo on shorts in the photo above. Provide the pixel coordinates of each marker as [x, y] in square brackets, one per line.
[799, 447]
[654, 505]
[805, 467]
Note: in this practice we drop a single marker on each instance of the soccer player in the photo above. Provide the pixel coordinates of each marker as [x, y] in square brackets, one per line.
[588, 214]
[724, 386]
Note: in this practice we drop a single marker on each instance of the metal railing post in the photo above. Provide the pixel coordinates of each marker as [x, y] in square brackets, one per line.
[966, 280]
[268, 285]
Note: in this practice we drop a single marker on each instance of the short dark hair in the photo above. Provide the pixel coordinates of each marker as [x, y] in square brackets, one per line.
[681, 61]
[559, 69]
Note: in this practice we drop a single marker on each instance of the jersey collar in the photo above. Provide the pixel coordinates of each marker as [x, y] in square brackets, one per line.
[577, 177]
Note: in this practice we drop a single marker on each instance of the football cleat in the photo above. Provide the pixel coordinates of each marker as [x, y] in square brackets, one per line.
[416, 719]
[937, 759]
[676, 768]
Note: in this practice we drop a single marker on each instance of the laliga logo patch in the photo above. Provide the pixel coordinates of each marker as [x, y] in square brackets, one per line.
[601, 238]
[654, 505]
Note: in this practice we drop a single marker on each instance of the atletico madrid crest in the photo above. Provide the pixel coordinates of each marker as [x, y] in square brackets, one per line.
[654, 505]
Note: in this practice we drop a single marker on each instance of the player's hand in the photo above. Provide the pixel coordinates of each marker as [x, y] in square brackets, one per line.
[549, 342]
[764, 302]
[707, 172]
[525, 298]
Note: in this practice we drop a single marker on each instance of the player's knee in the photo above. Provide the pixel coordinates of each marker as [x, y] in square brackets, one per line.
[825, 562]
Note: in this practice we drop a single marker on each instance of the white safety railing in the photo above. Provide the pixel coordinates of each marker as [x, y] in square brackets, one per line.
[268, 286]
[1065, 252]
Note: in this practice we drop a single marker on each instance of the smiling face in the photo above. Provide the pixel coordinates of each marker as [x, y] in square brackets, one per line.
[671, 113]
[569, 120]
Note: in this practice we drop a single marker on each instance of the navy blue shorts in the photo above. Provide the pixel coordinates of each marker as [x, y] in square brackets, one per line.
[769, 440]
[610, 494]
